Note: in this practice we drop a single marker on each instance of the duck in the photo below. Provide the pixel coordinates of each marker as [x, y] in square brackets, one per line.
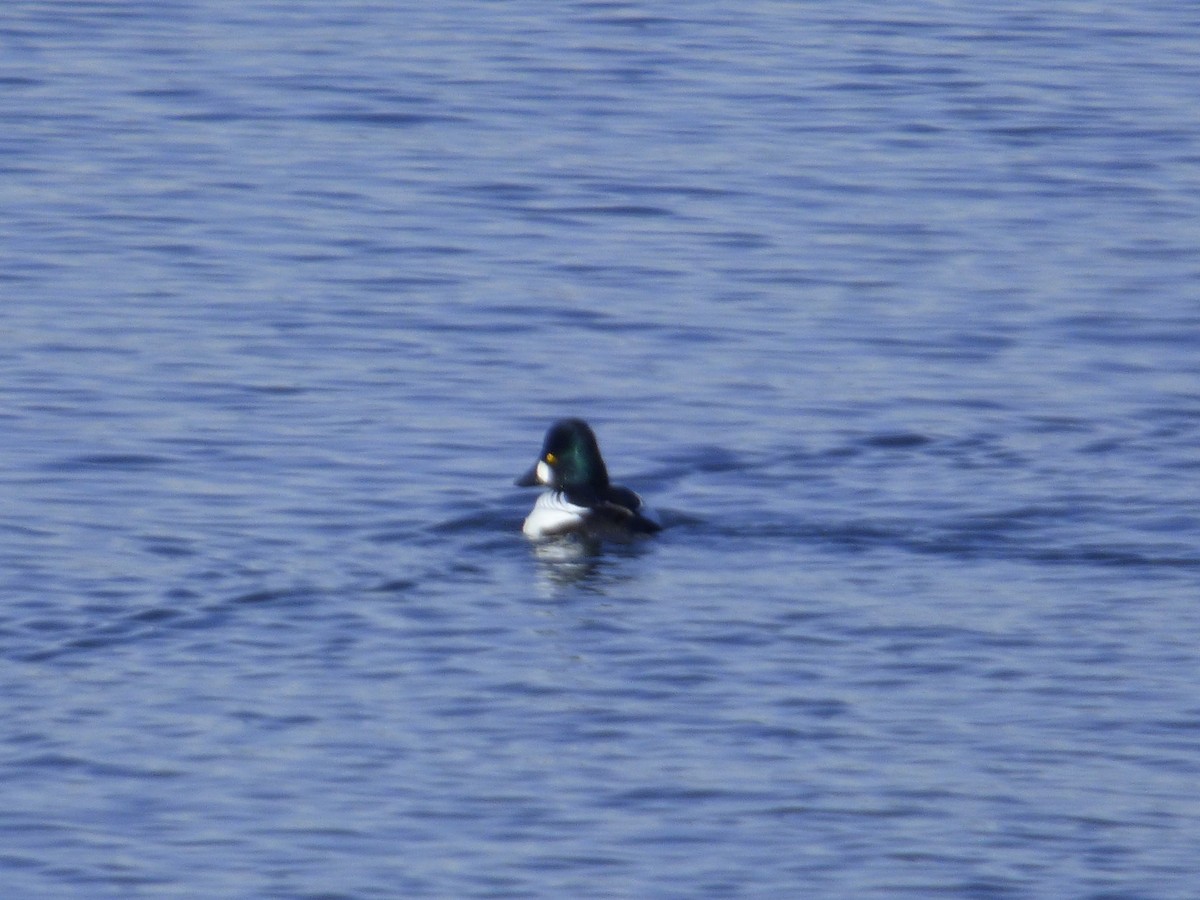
[580, 499]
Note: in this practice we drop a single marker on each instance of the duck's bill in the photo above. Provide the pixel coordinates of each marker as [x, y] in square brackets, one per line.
[530, 478]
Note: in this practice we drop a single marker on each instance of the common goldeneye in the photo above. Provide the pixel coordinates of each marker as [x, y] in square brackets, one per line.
[580, 499]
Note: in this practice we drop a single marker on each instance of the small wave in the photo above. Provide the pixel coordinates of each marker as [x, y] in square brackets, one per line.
[109, 461]
[902, 440]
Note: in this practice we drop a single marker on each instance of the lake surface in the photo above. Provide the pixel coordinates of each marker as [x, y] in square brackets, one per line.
[891, 312]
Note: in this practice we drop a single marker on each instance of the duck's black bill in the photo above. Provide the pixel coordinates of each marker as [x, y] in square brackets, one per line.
[529, 479]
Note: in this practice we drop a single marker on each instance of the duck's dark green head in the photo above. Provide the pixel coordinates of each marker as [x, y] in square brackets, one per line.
[570, 460]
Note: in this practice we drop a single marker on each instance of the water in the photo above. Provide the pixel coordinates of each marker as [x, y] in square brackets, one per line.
[890, 312]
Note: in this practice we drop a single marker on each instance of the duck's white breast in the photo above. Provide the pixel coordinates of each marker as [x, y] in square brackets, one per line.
[552, 514]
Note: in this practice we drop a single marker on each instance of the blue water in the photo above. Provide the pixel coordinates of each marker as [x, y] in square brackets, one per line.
[890, 310]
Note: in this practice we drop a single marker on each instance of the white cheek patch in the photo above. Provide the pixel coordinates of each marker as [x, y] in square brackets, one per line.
[544, 473]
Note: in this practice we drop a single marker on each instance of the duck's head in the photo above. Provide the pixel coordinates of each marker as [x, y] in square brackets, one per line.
[570, 460]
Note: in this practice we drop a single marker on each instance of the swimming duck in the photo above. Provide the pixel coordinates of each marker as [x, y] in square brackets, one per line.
[580, 500]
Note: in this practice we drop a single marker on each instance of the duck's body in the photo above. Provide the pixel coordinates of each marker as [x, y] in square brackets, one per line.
[581, 500]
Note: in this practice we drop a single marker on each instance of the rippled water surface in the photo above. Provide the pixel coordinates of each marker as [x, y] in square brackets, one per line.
[891, 311]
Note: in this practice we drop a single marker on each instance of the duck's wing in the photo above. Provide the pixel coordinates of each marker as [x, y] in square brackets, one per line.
[625, 507]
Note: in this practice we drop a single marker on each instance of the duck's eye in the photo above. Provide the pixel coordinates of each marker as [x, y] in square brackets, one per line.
[551, 458]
